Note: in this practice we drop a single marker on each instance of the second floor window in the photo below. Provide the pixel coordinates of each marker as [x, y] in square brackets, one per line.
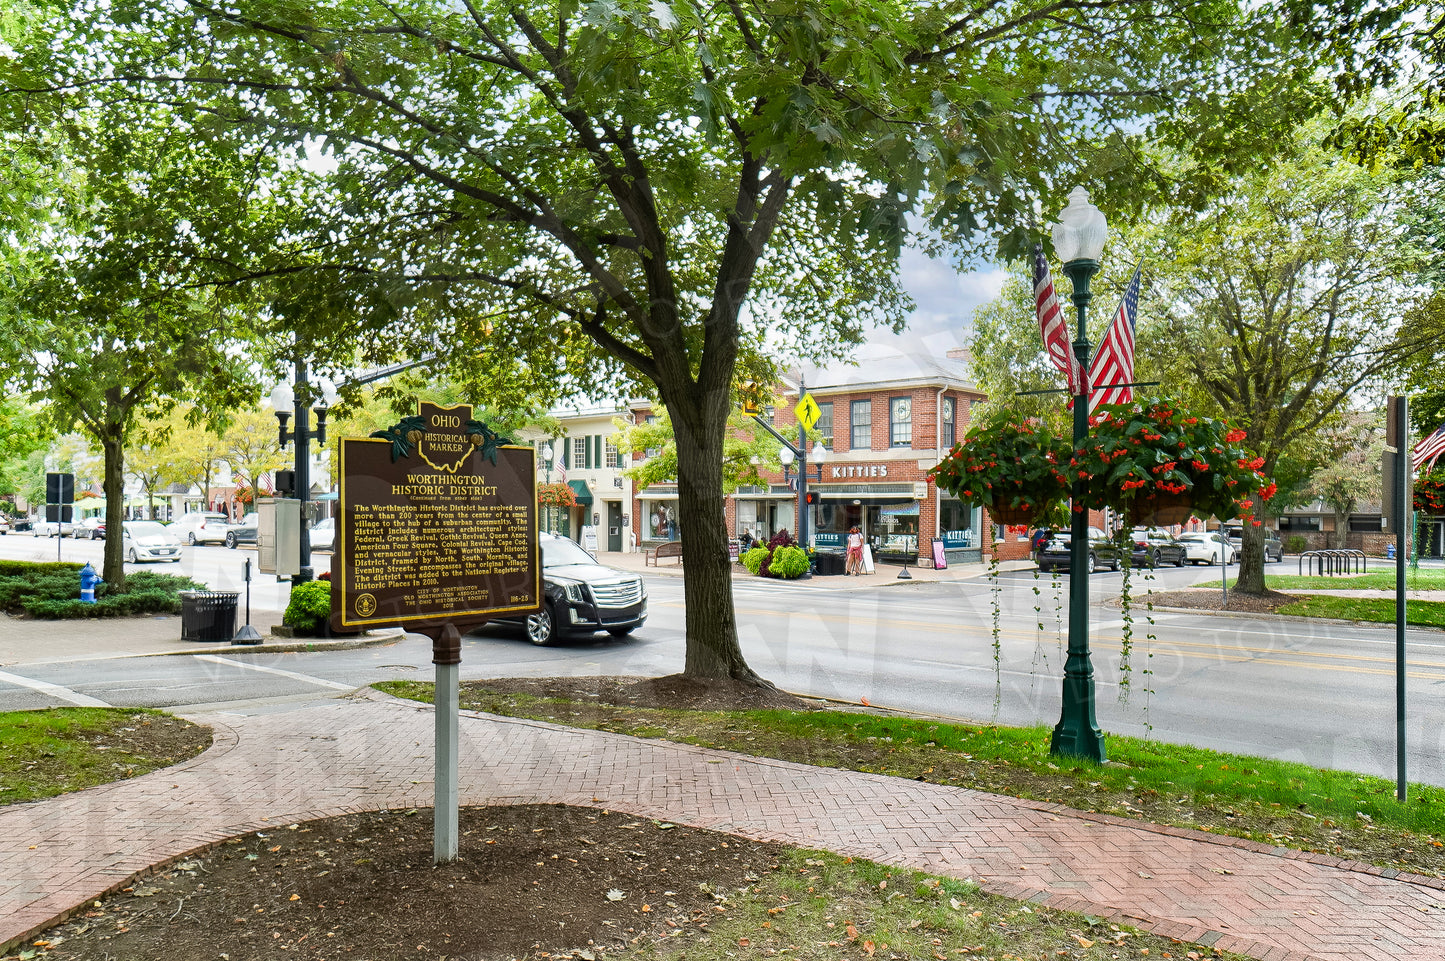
[950, 432]
[900, 422]
[825, 424]
[609, 453]
[862, 423]
[579, 453]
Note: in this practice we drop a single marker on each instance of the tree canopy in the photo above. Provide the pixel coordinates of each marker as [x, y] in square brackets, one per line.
[622, 193]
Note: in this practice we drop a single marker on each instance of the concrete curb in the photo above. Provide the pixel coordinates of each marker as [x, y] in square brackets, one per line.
[291, 645]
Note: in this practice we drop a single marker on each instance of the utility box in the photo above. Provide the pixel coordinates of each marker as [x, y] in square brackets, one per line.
[278, 536]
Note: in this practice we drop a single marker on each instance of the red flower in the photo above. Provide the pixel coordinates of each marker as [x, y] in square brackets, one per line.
[1235, 435]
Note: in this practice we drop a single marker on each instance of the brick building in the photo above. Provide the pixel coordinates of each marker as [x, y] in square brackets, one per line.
[884, 424]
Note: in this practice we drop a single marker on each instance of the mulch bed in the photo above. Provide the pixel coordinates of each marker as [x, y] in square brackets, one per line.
[532, 881]
[1206, 599]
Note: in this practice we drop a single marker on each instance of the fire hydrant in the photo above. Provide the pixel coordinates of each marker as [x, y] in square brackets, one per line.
[88, 581]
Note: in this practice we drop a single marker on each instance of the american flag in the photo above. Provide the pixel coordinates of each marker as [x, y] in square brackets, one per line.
[1053, 326]
[1429, 448]
[1113, 365]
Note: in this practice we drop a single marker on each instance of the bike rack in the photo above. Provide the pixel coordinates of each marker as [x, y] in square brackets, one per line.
[1332, 562]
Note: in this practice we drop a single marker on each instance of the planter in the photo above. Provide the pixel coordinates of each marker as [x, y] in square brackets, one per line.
[1013, 516]
[1160, 510]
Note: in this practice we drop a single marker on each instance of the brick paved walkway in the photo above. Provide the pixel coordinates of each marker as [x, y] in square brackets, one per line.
[365, 752]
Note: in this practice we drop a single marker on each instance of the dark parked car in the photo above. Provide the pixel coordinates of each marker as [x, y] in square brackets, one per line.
[1056, 553]
[1153, 547]
[245, 532]
[583, 597]
[90, 529]
[1273, 547]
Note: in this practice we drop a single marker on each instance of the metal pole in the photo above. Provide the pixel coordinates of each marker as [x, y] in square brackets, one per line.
[802, 474]
[1401, 480]
[1077, 733]
[301, 437]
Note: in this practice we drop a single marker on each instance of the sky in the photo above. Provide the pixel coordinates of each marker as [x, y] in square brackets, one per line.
[945, 298]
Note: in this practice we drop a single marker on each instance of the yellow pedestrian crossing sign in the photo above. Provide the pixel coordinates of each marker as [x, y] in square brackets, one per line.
[808, 412]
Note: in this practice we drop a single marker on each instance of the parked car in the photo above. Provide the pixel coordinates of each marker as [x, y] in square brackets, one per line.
[1057, 552]
[149, 541]
[323, 535]
[1153, 547]
[582, 597]
[90, 529]
[1273, 547]
[4, 525]
[45, 528]
[22, 524]
[202, 527]
[1206, 547]
[246, 532]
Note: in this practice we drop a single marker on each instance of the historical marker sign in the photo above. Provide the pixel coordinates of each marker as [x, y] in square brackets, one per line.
[438, 525]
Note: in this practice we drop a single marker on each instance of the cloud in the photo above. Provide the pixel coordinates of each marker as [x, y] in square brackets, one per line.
[945, 295]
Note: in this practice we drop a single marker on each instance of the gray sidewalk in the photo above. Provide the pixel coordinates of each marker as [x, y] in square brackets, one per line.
[366, 751]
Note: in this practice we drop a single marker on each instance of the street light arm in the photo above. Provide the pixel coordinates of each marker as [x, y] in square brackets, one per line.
[781, 439]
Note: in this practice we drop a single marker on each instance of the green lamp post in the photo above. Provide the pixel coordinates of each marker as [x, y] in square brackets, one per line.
[1079, 242]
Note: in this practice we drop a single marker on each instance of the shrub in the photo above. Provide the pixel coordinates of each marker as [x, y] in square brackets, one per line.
[753, 559]
[310, 607]
[51, 591]
[789, 562]
[1296, 544]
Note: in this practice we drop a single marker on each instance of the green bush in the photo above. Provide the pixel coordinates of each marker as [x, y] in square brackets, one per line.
[1295, 544]
[789, 562]
[310, 607]
[753, 559]
[51, 591]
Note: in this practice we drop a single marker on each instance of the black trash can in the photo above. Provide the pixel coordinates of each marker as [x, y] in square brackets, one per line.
[208, 615]
[828, 563]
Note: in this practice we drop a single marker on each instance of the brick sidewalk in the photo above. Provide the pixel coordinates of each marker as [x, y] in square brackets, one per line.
[366, 751]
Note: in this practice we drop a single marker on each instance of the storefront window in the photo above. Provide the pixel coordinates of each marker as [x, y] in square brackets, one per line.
[956, 520]
[662, 521]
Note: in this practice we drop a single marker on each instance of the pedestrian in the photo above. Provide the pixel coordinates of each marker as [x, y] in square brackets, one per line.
[854, 564]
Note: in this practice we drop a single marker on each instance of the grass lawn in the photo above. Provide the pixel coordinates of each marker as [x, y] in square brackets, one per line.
[1379, 579]
[1273, 802]
[60, 750]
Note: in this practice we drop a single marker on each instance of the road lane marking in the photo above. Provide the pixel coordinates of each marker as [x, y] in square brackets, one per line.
[53, 690]
[293, 675]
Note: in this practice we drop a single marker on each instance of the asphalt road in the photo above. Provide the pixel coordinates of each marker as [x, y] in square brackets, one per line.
[1308, 691]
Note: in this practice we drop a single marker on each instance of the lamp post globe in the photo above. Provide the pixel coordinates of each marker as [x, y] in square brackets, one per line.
[1079, 242]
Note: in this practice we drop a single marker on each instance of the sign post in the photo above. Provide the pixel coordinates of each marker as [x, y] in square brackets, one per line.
[437, 532]
[59, 496]
[1397, 503]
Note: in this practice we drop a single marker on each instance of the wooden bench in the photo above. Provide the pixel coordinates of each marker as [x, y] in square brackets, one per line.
[669, 549]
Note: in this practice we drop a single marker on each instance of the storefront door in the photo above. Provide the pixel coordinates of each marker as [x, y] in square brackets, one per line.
[614, 526]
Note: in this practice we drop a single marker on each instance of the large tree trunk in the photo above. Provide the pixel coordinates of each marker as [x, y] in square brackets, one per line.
[1251, 560]
[114, 486]
[712, 650]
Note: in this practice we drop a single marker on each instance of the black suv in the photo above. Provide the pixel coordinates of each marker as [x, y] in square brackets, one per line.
[1102, 552]
[1153, 547]
[583, 597]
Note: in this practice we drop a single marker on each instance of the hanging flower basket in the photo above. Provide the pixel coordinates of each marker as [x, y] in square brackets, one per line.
[1011, 466]
[1161, 510]
[1015, 516]
[1170, 463]
[556, 495]
[1429, 492]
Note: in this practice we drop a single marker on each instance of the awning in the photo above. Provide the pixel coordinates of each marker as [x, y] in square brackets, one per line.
[584, 495]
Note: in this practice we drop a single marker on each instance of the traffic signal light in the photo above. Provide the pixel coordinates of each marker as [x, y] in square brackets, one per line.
[751, 398]
[811, 497]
